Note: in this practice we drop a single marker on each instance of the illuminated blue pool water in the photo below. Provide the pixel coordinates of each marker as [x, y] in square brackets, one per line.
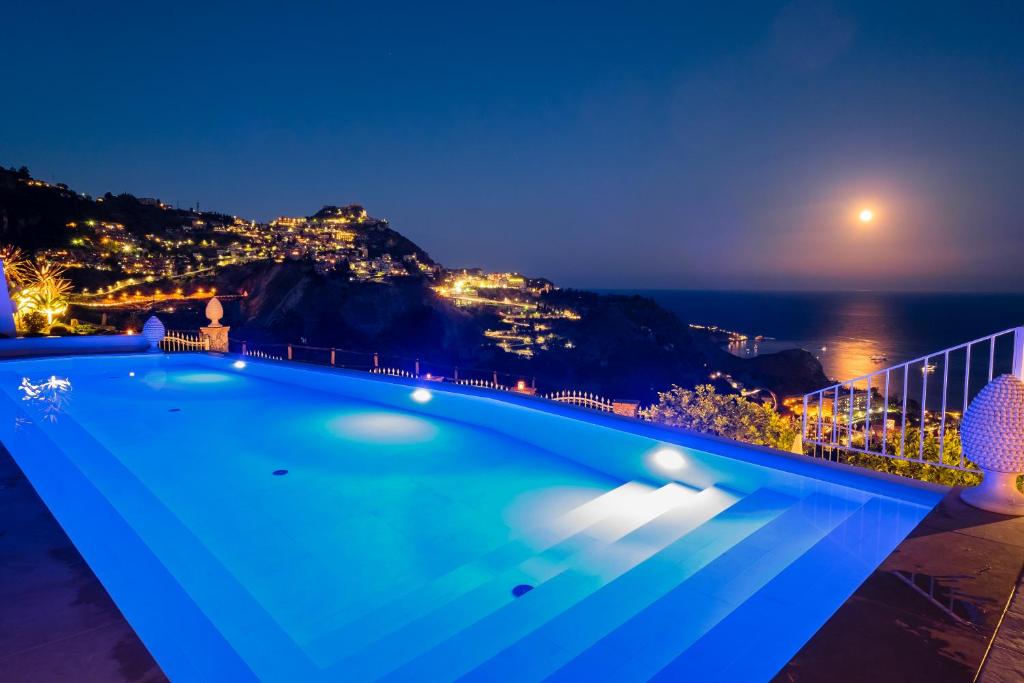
[282, 523]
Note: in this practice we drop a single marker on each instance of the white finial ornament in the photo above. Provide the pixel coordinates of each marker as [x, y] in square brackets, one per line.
[214, 311]
[153, 331]
[993, 438]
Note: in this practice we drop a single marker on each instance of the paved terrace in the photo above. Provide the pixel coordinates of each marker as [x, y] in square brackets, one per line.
[887, 631]
[57, 622]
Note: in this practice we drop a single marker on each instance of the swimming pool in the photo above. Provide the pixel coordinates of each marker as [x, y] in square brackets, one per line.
[268, 521]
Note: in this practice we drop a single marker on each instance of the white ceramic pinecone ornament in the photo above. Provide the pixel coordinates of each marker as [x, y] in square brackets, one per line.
[992, 433]
[214, 311]
[153, 331]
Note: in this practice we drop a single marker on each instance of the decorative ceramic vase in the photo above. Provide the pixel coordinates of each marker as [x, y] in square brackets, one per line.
[214, 311]
[153, 331]
[993, 438]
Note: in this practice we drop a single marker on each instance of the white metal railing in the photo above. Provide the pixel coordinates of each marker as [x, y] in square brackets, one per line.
[378, 367]
[393, 372]
[927, 396]
[481, 383]
[256, 353]
[184, 341]
[582, 399]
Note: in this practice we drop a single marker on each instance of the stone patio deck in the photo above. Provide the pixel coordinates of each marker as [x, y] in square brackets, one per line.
[57, 622]
[888, 631]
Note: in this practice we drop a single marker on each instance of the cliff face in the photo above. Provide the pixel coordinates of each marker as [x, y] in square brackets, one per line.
[291, 302]
[787, 373]
[621, 347]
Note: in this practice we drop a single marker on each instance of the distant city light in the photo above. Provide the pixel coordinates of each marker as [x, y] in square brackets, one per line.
[238, 364]
[421, 395]
[669, 459]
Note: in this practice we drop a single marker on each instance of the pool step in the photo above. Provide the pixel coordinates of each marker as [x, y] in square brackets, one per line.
[566, 534]
[791, 607]
[592, 594]
[638, 647]
[414, 637]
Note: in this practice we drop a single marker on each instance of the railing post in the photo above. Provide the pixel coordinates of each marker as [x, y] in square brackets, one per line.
[455, 373]
[332, 356]
[289, 352]
[803, 421]
[376, 361]
[1018, 353]
[245, 350]
[417, 367]
[495, 376]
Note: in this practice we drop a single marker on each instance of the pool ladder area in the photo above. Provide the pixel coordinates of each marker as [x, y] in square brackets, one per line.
[643, 582]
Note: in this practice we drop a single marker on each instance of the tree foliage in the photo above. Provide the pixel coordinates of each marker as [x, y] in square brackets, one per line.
[44, 290]
[33, 322]
[728, 415]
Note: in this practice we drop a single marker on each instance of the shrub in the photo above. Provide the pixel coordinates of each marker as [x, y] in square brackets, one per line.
[33, 322]
[729, 415]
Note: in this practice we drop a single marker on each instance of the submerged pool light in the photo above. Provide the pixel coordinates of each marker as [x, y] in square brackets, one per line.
[669, 459]
[238, 364]
[421, 395]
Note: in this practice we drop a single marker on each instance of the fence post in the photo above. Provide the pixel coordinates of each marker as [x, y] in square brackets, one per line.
[1018, 353]
[289, 352]
[245, 350]
[456, 375]
[417, 367]
[332, 356]
[495, 376]
[376, 361]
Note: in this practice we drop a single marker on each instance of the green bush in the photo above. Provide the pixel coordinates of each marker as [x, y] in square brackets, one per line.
[33, 322]
[728, 415]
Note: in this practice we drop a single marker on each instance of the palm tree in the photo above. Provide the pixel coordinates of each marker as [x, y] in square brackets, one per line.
[15, 265]
[45, 291]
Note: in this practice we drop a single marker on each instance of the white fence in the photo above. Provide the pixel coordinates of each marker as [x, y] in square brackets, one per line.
[872, 414]
[582, 399]
[184, 341]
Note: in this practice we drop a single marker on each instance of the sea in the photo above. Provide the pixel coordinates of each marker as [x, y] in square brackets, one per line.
[844, 330]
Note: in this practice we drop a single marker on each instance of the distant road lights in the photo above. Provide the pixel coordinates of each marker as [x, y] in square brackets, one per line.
[669, 459]
[421, 395]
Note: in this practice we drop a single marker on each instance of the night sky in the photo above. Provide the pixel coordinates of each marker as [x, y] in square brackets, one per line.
[629, 145]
